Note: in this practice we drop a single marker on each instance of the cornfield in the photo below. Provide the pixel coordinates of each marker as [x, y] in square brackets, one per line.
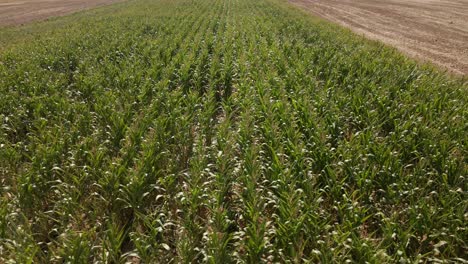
[216, 131]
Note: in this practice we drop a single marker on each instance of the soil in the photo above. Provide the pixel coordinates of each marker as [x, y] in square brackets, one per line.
[430, 30]
[15, 12]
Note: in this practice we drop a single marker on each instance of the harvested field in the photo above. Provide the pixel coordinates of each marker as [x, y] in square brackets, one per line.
[13, 12]
[435, 31]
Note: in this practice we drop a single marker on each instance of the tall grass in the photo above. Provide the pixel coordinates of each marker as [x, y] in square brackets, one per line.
[225, 131]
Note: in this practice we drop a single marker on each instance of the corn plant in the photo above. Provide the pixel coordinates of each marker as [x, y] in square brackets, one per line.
[223, 131]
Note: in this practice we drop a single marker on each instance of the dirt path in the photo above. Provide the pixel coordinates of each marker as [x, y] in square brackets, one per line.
[431, 30]
[13, 12]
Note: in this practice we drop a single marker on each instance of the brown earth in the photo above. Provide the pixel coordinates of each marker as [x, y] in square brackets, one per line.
[14, 12]
[429, 30]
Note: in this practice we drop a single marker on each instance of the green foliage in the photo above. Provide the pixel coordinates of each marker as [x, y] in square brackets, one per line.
[224, 132]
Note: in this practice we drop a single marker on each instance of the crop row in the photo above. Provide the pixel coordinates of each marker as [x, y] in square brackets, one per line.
[226, 131]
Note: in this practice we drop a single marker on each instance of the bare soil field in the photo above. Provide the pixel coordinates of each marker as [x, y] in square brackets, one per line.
[13, 12]
[429, 30]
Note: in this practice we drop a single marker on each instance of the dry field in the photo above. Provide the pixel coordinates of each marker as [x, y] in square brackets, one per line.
[431, 30]
[13, 12]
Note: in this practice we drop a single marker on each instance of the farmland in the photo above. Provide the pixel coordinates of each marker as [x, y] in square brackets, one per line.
[17, 12]
[429, 30]
[182, 131]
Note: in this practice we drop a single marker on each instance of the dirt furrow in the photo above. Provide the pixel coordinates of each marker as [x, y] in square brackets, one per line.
[429, 30]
